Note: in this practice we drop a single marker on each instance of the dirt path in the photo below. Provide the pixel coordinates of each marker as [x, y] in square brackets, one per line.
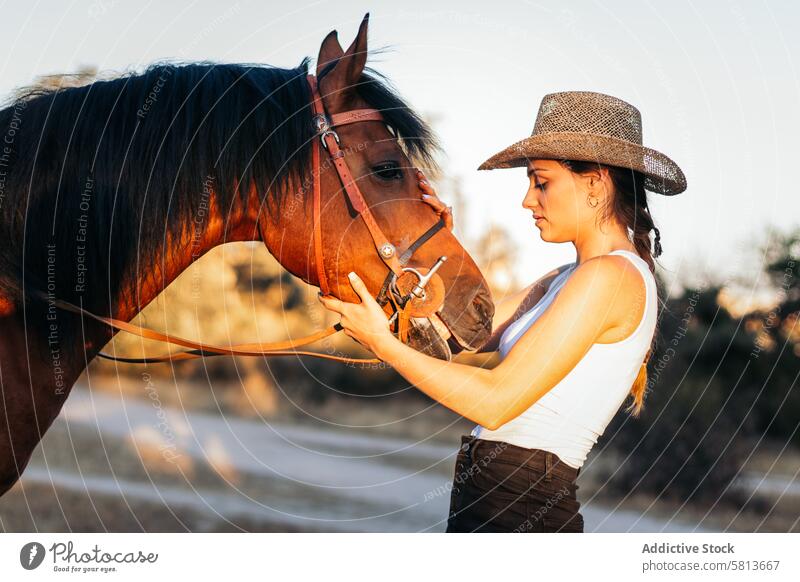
[274, 475]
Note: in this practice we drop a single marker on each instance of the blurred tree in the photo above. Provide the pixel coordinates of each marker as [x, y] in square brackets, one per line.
[496, 255]
[716, 384]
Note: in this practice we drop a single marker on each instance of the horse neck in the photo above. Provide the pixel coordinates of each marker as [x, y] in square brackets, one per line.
[178, 254]
[38, 373]
[288, 231]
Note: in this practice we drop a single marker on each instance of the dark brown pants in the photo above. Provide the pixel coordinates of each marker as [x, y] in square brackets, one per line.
[500, 487]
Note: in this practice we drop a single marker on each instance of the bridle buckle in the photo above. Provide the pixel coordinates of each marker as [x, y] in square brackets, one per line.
[326, 134]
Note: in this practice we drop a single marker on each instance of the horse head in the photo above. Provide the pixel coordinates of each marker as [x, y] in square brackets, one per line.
[378, 154]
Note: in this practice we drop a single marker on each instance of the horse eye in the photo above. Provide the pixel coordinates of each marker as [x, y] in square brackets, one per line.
[388, 171]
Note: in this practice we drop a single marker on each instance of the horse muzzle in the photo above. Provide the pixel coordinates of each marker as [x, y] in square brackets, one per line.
[431, 328]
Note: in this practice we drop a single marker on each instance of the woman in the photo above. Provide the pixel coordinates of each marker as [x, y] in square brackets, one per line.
[574, 344]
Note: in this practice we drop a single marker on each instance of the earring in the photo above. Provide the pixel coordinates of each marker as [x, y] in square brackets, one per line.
[592, 201]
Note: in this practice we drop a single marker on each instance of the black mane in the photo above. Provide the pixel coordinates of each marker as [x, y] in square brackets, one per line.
[94, 177]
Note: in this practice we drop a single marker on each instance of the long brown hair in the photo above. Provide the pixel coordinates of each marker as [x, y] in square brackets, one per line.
[628, 205]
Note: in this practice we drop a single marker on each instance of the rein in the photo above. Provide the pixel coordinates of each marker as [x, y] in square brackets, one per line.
[413, 293]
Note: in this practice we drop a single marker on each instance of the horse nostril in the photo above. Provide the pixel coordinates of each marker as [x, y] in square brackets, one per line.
[483, 306]
[479, 306]
[470, 317]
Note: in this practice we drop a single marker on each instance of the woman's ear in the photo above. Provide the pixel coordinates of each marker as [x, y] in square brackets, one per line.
[599, 181]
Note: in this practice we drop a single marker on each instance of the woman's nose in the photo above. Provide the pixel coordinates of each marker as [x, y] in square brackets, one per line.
[530, 199]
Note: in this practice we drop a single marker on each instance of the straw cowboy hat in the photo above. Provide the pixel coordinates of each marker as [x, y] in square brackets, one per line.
[593, 127]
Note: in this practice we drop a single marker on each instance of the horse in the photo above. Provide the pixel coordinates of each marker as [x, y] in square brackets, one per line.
[108, 191]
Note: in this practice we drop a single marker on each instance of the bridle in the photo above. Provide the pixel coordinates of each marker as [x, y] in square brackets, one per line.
[411, 292]
[410, 298]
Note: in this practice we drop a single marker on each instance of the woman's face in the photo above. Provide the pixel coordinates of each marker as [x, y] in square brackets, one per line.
[557, 198]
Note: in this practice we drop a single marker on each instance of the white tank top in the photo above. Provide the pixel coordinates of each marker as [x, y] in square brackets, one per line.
[570, 418]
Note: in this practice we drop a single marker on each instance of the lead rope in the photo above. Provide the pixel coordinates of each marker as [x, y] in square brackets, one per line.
[403, 317]
[284, 348]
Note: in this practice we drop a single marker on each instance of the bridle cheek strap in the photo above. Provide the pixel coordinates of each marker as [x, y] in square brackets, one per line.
[322, 278]
[330, 140]
[385, 249]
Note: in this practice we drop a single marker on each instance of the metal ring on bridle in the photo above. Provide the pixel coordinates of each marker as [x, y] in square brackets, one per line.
[321, 123]
[422, 280]
[323, 127]
[418, 290]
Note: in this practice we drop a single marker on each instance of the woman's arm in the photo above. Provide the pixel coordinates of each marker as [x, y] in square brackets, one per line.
[596, 298]
[510, 309]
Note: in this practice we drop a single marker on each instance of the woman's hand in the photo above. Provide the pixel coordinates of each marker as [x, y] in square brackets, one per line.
[365, 322]
[429, 197]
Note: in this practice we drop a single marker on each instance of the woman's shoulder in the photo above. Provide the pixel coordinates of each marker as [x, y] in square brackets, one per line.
[622, 270]
[619, 282]
[618, 268]
[628, 266]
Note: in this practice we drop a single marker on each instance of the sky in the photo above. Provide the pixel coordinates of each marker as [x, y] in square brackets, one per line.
[717, 84]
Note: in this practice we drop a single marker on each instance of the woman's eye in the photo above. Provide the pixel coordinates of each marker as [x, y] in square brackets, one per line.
[541, 185]
[388, 171]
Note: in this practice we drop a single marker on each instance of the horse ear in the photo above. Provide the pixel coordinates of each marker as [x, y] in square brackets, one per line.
[329, 51]
[336, 84]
